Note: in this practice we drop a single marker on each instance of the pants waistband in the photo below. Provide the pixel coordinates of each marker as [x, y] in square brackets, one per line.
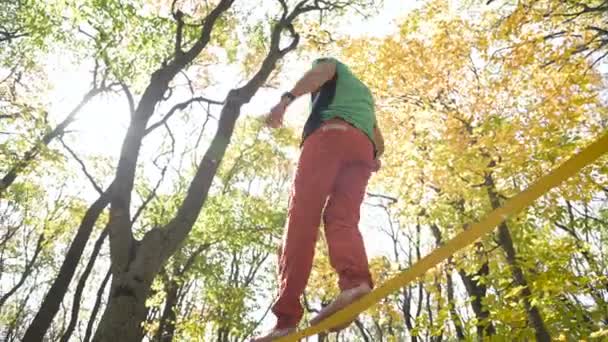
[337, 124]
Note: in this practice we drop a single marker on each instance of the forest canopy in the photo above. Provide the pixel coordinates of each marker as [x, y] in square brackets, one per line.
[142, 197]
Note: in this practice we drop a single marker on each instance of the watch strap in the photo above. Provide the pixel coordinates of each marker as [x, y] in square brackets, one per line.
[289, 96]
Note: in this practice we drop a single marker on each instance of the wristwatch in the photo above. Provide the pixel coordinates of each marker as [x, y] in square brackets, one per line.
[289, 96]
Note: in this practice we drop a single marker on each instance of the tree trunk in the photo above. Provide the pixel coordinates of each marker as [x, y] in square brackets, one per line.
[98, 299]
[166, 324]
[124, 313]
[475, 290]
[506, 242]
[504, 238]
[456, 319]
[80, 287]
[126, 309]
[52, 300]
[135, 264]
[362, 331]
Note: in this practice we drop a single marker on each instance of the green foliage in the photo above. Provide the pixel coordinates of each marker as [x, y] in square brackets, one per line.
[233, 238]
[129, 37]
[473, 100]
[458, 111]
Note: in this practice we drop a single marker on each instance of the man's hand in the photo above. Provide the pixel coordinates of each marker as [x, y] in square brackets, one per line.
[275, 117]
[376, 165]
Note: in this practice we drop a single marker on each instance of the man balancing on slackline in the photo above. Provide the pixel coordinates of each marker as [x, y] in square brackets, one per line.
[340, 148]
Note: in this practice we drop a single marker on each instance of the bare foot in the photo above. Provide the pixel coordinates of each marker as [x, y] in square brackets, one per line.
[344, 298]
[274, 334]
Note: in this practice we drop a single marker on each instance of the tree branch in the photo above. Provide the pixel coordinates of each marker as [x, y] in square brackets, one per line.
[150, 196]
[81, 283]
[9, 36]
[285, 9]
[174, 233]
[391, 199]
[54, 297]
[82, 167]
[26, 272]
[179, 18]
[59, 130]
[180, 106]
[129, 96]
[209, 22]
[97, 305]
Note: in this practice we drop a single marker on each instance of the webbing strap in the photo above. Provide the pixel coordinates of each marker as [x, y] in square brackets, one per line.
[462, 240]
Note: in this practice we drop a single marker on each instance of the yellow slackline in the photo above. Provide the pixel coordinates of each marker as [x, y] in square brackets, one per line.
[462, 240]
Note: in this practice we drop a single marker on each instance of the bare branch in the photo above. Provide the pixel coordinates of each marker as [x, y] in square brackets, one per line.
[202, 130]
[83, 167]
[189, 81]
[599, 30]
[26, 271]
[205, 37]
[285, 9]
[295, 40]
[11, 73]
[181, 106]
[274, 54]
[151, 195]
[58, 131]
[597, 60]
[9, 36]
[192, 258]
[391, 200]
[129, 96]
[173, 3]
[87, 34]
[179, 17]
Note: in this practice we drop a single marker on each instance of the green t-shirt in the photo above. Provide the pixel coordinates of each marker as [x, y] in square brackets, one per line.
[352, 100]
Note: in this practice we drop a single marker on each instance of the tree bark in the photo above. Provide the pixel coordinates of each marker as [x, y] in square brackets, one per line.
[136, 263]
[362, 331]
[98, 299]
[475, 290]
[167, 321]
[506, 242]
[80, 287]
[125, 310]
[456, 319]
[50, 305]
[166, 324]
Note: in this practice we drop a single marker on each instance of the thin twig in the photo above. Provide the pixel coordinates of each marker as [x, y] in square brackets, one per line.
[391, 200]
[82, 166]
[129, 95]
[181, 106]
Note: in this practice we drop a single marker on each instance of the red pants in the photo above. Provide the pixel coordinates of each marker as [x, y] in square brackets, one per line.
[334, 168]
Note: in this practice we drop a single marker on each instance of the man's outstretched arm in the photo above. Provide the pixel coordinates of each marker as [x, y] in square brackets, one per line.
[314, 78]
[310, 82]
